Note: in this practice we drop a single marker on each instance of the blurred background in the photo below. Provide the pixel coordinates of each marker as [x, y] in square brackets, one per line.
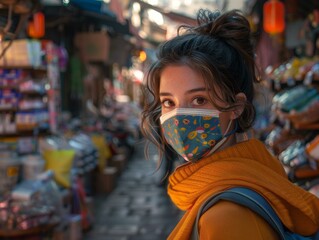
[72, 162]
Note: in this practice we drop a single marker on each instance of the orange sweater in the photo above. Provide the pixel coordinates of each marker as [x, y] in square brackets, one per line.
[247, 164]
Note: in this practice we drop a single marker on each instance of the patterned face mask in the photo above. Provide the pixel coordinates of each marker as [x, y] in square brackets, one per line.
[193, 133]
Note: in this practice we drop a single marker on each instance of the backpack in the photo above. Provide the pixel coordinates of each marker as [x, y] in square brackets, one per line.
[254, 201]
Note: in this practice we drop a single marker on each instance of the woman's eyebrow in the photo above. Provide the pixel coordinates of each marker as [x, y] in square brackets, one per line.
[165, 94]
[201, 89]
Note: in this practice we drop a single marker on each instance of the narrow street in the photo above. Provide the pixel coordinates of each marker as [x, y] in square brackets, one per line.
[138, 208]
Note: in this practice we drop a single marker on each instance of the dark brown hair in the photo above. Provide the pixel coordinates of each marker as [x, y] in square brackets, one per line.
[219, 49]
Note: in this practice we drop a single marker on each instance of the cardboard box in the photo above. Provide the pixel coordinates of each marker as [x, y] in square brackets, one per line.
[106, 180]
[93, 46]
[119, 161]
[21, 53]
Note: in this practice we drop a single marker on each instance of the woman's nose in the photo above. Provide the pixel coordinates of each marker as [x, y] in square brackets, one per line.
[182, 104]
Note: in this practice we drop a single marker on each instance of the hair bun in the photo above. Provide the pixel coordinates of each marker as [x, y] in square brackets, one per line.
[231, 27]
[205, 20]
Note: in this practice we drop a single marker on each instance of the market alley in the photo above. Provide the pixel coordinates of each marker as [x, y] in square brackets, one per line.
[138, 208]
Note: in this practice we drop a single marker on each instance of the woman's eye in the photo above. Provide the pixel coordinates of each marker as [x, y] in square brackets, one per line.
[199, 101]
[167, 103]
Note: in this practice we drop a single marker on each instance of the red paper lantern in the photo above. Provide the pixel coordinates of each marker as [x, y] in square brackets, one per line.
[36, 28]
[274, 17]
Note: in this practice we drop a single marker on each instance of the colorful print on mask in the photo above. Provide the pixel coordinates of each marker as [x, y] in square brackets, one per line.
[192, 132]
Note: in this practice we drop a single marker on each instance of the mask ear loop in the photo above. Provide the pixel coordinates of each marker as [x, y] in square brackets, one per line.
[221, 142]
[232, 131]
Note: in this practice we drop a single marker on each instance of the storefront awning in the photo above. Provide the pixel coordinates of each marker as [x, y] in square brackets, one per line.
[89, 12]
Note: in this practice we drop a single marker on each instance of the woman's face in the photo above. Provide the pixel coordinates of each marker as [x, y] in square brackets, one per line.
[182, 87]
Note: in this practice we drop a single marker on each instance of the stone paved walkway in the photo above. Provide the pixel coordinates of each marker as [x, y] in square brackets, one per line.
[137, 209]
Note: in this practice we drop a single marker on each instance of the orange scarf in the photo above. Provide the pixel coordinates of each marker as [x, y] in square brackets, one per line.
[247, 164]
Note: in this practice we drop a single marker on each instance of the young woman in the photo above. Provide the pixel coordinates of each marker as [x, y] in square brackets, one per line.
[202, 88]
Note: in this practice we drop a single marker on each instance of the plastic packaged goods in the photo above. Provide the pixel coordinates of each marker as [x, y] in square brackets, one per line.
[295, 98]
[32, 166]
[86, 157]
[294, 154]
[26, 190]
[34, 203]
[9, 171]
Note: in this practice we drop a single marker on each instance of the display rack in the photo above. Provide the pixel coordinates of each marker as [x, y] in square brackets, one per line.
[29, 90]
[295, 116]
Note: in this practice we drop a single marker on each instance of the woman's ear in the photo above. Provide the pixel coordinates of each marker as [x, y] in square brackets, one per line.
[240, 100]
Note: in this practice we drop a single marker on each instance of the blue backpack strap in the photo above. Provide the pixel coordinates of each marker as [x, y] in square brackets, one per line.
[248, 198]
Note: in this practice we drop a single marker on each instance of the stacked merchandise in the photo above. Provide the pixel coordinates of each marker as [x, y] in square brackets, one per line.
[29, 88]
[115, 123]
[48, 178]
[294, 133]
[294, 72]
[78, 157]
[47, 188]
[26, 77]
[72, 160]
[23, 101]
[48, 183]
[30, 198]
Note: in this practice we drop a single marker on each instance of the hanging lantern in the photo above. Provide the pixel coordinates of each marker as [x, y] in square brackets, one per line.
[39, 24]
[36, 28]
[31, 32]
[274, 17]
